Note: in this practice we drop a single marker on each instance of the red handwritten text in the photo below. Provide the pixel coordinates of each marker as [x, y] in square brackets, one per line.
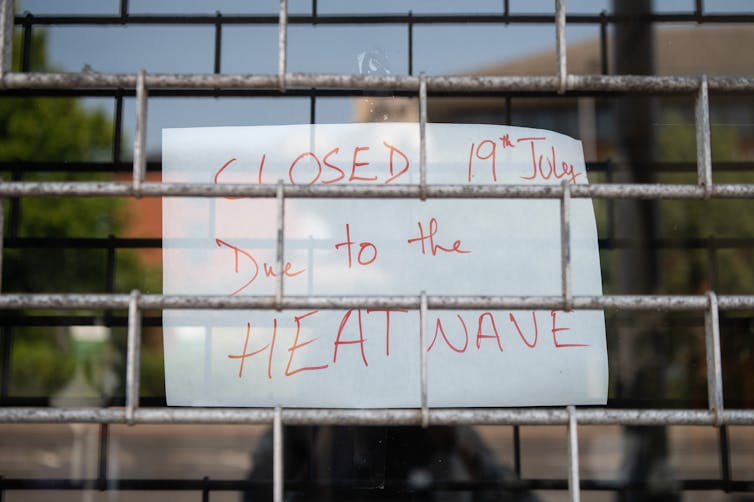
[254, 266]
[367, 251]
[354, 329]
[566, 169]
[430, 238]
[244, 354]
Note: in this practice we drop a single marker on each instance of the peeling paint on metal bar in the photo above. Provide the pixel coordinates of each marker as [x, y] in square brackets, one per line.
[465, 83]
[606, 302]
[599, 190]
[442, 416]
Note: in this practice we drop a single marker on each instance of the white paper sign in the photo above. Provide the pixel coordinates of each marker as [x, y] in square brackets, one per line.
[365, 358]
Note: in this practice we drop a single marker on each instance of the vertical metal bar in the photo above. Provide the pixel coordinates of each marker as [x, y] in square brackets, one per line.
[133, 356]
[703, 148]
[141, 133]
[603, 43]
[574, 488]
[712, 273]
[313, 107]
[714, 367]
[699, 10]
[517, 451]
[277, 456]
[218, 41]
[205, 489]
[7, 12]
[118, 127]
[506, 10]
[123, 9]
[5, 340]
[104, 436]
[423, 357]
[27, 41]
[560, 44]
[423, 136]
[2, 235]
[410, 43]
[610, 176]
[14, 211]
[314, 11]
[279, 251]
[110, 274]
[724, 456]
[565, 246]
[6, 345]
[282, 43]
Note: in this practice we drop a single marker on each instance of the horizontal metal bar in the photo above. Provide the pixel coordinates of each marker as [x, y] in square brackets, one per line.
[665, 303]
[397, 488]
[31, 166]
[120, 321]
[597, 190]
[444, 416]
[156, 242]
[133, 243]
[398, 18]
[179, 92]
[466, 83]
[111, 321]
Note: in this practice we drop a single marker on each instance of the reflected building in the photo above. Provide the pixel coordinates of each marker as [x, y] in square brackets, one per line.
[713, 50]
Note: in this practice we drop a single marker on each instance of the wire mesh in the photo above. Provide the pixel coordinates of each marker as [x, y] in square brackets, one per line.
[145, 85]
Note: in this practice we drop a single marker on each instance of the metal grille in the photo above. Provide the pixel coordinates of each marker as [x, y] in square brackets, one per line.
[559, 84]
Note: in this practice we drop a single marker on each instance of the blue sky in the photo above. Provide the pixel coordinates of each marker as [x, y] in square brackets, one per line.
[253, 49]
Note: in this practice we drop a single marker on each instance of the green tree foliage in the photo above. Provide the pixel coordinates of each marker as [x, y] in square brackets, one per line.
[42, 129]
[55, 129]
[690, 271]
[710, 219]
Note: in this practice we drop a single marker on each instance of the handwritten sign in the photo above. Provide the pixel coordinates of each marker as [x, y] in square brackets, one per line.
[363, 357]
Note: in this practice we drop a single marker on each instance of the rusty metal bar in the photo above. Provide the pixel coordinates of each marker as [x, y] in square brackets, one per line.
[664, 303]
[554, 191]
[280, 245]
[560, 44]
[133, 356]
[282, 44]
[574, 488]
[438, 416]
[703, 148]
[277, 456]
[423, 358]
[565, 246]
[2, 235]
[7, 12]
[423, 136]
[441, 83]
[714, 366]
[140, 142]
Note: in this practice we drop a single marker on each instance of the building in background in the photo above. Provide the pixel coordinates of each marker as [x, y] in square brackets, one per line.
[681, 51]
